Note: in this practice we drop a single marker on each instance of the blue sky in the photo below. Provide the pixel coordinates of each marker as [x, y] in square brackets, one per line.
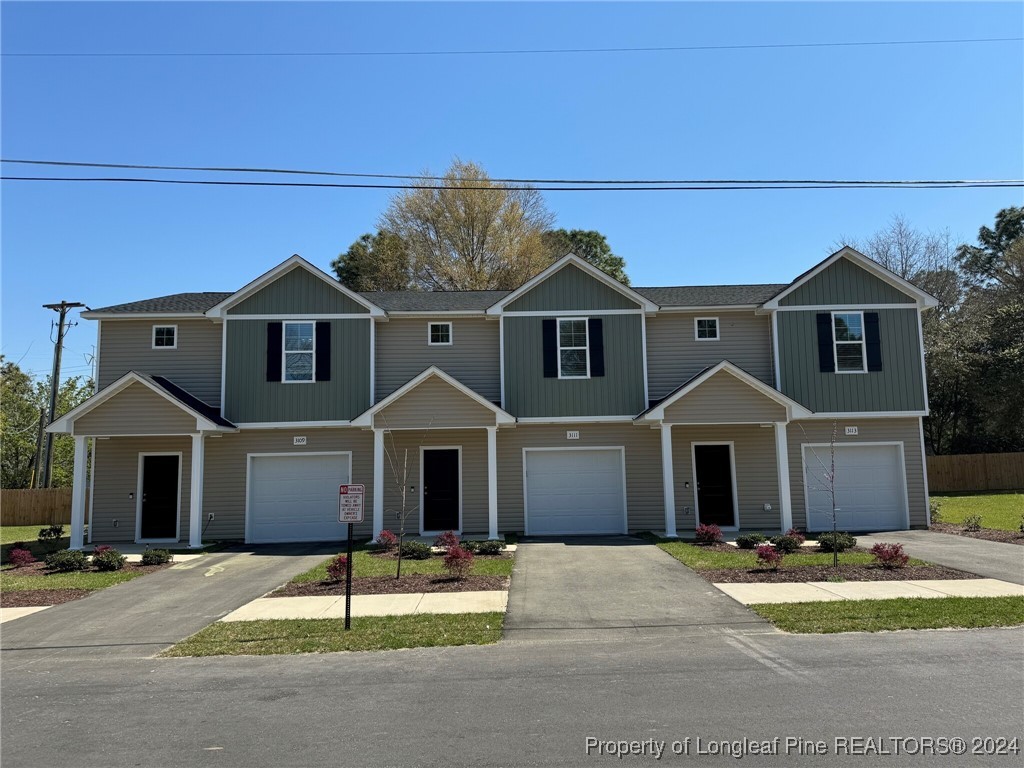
[949, 111]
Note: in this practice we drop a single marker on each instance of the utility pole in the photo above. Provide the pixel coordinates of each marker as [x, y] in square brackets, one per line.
[58, 349]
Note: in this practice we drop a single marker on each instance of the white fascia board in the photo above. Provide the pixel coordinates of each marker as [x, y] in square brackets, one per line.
[645, 304]
[90, 315]
[835, 415]
[439, 314]
[294, 262]
[710, 308]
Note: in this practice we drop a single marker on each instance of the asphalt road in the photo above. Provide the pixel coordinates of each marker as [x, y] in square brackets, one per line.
[522, 702]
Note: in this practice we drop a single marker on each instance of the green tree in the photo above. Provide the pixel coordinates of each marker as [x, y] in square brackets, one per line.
[590, 246]
[998, 259]
[375, 262]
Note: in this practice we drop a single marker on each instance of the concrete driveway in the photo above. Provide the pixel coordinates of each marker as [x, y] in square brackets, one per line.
[991, 559]
[142, 617]
[585, 588]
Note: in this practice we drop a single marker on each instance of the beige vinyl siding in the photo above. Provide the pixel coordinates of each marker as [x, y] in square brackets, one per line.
[906, 431]
[224, 490]
[757, 480]
[674, 356]
[645, 510]
[402, 466]
[568, 290]
[845, 283]
[434, 403]
[472, 358]
[724, 399]
[117, 478]
[298, 292]
[135, 410]
[127, 345]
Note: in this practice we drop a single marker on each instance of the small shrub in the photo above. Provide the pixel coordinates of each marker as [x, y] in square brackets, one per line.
[415, 550]
[105, 558]
[20, 557]
[769, 557]
[708, 534]
[838, 541]
[787, 544]
[935, 511]
[337, 569]
[491, 547]
[972, 523]
[458, 562]
[750, 540]
[796, 535]
[386, 541]
[471, 546]
[156, 557]
[447, 540]
[51, 533]
[66, 560]
[1021, 526]
[890, 555]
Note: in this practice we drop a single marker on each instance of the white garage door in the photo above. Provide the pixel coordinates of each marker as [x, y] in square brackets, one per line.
[869, 485]
[574, 492]
[295, 498]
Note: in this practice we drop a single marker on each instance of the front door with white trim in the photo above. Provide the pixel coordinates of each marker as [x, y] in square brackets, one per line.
[716, 487]
[159, 497]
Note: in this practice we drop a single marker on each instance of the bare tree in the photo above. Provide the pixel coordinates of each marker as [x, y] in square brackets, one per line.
[828, 474]
[399, 464]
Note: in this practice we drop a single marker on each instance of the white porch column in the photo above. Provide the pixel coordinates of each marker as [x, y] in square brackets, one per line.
[668, 481]
[782, 464]
[195, 509]
[492, 482]
[78, 494]
[378, 482]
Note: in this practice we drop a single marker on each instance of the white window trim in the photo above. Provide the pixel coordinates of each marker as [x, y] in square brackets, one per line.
[718, 329]
[863, 344]
[586, 348]
[164, 325]
[285, 352]
[432, 343]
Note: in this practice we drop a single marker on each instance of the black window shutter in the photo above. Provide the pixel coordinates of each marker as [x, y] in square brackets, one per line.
[826, 360]
[873, 341]
[550, 329]
[274, 331]
[323, 350]
[595, 331]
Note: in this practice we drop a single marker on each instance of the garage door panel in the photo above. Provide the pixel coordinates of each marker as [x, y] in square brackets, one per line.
[574, 492]
[295, 498]
[869, 488]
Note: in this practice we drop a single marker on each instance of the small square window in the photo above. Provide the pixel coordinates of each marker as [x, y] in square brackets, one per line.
[706, 328]
[165, 337]
[439, 334]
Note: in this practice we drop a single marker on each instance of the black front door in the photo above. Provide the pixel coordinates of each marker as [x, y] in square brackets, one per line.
[441, 489]
[714, 485]
[159, 508]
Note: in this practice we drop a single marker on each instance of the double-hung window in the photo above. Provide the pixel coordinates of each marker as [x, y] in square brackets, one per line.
[573, 354]
[848, 342]
[299, 350]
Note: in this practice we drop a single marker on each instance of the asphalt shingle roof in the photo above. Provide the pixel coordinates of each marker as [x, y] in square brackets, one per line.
[176, 302]
[434, 301]
[710, 295]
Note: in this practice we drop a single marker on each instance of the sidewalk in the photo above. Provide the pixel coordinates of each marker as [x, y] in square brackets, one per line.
[824, 591]
[333, 606]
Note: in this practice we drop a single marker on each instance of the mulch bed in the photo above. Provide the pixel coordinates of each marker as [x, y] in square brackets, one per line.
[389, 585]
[801, 573]
[988, 534]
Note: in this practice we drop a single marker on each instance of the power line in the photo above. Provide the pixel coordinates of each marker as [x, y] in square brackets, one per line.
[510, 52]
[413, 177]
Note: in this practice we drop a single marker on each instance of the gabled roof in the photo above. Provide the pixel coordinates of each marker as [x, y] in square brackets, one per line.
[646, 304]
[295, 262]
[174, 305]
[207, 417]
[923, 298]
[657, 412]
[365, 419]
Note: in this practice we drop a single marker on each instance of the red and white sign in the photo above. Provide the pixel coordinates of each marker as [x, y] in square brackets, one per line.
[350, 504]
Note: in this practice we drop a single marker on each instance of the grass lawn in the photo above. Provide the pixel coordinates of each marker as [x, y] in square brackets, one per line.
[702, 558]
[365, 564]
[998, 510]
[29, 534]
[376, 633]
[903, 613]
[11, 581]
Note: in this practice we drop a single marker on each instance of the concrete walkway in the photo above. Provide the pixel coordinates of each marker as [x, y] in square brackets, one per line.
[333, 607]
[826, 591]
[991, 559]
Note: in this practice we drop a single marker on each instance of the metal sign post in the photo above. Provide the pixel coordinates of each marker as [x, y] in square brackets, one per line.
[350, 510]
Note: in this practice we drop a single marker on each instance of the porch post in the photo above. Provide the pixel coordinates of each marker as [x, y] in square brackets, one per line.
[78, 494]
[378, 482]
[492, 482]
[668, 481]
[195, 509]
[782, 465]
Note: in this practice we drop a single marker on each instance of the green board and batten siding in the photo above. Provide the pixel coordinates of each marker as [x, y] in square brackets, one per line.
[568, 290]
[298, 292]
[250, 398]
[843, 284]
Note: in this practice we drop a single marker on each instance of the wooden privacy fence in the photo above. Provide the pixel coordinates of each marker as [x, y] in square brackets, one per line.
[36, 506]
[976, 472]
